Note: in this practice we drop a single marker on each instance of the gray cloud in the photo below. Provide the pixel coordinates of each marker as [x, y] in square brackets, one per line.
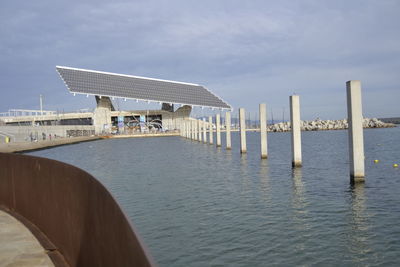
[245, 51]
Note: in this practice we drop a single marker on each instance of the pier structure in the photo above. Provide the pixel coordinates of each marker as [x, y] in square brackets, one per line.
[196, 137]
[355, 131]
[242, 125]
[204, 130]
[296, 130]
[218, 130]
[200, 133]
[210, 130]
[182, 129]
[192, 130]
[263, 131]
[187, 129]
[228, 130]
[190, 134]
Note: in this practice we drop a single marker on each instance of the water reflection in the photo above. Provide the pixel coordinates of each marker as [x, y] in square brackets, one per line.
[228, 155]
[300, 212]
[243, 163]
[264, 180]
[299, 202]
[244, 170]
[358, 232]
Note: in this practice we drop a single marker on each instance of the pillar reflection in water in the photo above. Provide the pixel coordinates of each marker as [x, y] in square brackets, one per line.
[299, 202]
[244, 171]
[265, 180]
[358, 234]
[300, 214]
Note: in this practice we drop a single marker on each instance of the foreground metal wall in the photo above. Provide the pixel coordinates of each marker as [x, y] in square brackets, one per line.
[72, 210]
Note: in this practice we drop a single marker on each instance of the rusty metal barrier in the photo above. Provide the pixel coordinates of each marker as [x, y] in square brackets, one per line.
[73, 215]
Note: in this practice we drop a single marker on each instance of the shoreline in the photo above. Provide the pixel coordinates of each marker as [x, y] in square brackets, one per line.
[21, 147]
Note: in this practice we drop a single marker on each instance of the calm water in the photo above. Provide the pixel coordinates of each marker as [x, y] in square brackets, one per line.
[196, 205]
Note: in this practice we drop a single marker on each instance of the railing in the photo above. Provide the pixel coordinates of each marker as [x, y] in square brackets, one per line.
[26, 112]
[79, 222]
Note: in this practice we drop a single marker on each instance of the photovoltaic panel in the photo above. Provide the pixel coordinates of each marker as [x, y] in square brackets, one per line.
[92, 82]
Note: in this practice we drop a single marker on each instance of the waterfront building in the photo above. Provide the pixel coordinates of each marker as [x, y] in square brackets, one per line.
[177, 100]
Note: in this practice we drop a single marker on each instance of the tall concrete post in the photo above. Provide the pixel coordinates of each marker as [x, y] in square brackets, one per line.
[242, 125]
[218, 125]
[228, 130]
[263, 131]
[211, 133]
[204, 130]
[195, 130]
[189, 130]
[192, 125]
[199, 132]
[296, 131]
[356, 138]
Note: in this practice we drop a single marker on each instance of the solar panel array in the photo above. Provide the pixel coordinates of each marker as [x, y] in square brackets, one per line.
[125, 86]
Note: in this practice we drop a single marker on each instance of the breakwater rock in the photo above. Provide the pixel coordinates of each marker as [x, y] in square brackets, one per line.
[320, 125]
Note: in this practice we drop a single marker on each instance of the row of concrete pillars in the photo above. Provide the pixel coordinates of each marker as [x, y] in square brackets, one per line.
[202, 130]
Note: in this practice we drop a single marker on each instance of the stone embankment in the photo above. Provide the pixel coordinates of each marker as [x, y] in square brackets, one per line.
[319, 125]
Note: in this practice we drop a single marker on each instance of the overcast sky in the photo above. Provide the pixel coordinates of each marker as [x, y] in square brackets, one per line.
[247, 52]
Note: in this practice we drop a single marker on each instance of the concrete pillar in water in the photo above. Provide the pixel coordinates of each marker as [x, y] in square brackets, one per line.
[181, 129]
[204, 130]
[200, 133]
[296, 131]
[263, 131]
[242, 125]
[228, 130]
[356, 138]
[195, 130]
[218, 125]
[190, 129]
[210, 128]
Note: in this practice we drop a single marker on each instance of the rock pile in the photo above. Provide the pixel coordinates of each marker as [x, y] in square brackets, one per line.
[319, 125]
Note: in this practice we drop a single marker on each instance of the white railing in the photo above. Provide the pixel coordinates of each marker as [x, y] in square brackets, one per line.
[26, 112]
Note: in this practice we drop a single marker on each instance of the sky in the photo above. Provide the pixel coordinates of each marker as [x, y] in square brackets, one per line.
[246, 52]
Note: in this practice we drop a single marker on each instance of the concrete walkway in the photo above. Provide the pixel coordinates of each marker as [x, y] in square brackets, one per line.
[18, 246]
[28, 146]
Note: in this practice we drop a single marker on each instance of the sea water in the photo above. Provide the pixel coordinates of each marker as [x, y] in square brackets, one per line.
[195, 204]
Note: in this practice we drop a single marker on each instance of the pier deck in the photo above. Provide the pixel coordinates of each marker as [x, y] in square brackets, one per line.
[18, 246]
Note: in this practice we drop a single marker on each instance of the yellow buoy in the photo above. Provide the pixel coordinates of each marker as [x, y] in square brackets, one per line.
[395, 165]
[376, 161]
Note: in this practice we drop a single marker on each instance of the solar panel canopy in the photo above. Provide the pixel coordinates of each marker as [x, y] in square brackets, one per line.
[92, 82]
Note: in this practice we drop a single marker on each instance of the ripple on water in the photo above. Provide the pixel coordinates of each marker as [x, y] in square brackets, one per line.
[196, 205]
